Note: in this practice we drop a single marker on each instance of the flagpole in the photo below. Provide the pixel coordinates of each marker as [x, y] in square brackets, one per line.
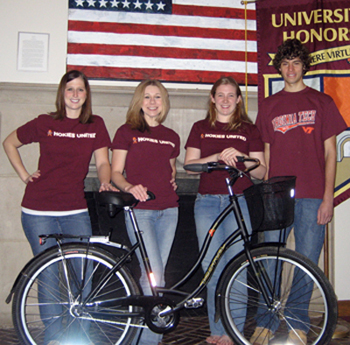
[246, 50]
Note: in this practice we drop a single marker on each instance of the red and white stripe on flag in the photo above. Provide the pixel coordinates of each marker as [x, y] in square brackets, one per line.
[191, 41]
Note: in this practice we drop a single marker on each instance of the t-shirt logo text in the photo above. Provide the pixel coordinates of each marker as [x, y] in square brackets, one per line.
[51, 133]
[284, 123]
[223, 136]
[154, 141]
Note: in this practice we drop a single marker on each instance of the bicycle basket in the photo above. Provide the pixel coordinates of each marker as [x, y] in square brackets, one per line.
[271, 203]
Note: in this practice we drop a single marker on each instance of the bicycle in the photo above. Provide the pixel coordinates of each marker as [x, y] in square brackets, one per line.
[104, 300]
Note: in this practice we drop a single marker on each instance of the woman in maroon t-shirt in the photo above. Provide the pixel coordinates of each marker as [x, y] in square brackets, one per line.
[54, 197]
[54, 200]
[224, 134]
[147, 151]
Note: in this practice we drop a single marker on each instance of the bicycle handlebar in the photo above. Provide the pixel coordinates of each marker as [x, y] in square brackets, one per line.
[197, 167]
[151, 196]
[211, 166]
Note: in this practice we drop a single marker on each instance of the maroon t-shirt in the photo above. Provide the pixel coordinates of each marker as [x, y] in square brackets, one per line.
[148, 162]
[296, 124]
[66, 148]
[214, 140]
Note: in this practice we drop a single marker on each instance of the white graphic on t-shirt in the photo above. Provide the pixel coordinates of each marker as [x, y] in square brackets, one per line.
[155, 141]
[51, 133]
[86, 135]
[284, 123]
[223, 136]
[232, 136]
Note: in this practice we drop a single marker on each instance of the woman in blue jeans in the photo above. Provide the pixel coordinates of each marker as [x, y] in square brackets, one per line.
[224, 134]
[54, 200]
[146, 150]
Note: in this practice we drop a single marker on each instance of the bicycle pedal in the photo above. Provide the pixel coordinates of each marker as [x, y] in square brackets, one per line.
[194, 303]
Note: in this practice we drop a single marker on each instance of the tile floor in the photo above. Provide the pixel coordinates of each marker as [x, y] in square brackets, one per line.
[190, 331]
[194, 330]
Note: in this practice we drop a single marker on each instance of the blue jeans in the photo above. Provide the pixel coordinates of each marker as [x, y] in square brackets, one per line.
[309, 239]
[33, 225]
[158, 231]
[207, 208]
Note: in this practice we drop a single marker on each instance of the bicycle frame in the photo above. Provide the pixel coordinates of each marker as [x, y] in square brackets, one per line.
[241, 232]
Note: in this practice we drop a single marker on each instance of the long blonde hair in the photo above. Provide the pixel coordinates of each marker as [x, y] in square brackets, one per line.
[135, 116]
[238, 117]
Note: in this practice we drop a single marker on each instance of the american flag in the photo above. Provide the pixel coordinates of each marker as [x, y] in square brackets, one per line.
[192, 41]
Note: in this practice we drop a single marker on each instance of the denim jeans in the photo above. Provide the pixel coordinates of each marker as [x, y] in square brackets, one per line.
[207, 208]
[158, 231]
[309, 239]
[77, 224]
[33, 226]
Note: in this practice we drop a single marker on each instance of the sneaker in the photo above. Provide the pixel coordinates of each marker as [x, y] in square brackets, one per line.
[261, 336]
[297, 337]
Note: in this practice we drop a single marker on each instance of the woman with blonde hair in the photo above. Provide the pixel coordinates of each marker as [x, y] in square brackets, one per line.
[225, 133]
[146, 150]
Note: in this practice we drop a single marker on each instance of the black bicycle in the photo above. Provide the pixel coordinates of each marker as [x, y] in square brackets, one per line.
[85, 287]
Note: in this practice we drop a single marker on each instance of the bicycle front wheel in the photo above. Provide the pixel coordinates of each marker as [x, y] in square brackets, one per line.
[301, 298]
[51, 299]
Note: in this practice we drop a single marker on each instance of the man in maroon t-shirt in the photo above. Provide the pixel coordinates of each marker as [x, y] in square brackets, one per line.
[299, 126]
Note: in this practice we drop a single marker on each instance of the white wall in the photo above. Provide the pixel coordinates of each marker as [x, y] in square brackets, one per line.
[50, 16]
[34, 16]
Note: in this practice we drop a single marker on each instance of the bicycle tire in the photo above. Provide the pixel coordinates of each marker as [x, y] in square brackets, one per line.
[102, 321]
[295, 270]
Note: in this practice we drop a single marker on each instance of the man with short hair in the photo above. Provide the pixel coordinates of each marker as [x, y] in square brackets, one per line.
[299, 126]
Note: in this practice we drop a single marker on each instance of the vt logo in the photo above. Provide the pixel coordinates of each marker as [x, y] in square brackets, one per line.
[308, 130]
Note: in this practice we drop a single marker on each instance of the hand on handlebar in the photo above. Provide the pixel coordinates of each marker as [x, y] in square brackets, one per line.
[215, 166]
[229, 156]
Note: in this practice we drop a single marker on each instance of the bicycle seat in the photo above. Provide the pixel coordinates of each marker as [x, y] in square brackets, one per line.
[118, 199]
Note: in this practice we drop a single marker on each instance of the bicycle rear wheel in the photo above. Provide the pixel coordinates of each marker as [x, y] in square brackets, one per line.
[50, 299]
[302, 297]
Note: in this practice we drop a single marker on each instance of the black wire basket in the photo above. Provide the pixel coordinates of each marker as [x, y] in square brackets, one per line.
[271, 203]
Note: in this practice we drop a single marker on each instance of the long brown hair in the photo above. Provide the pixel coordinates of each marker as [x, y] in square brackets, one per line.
[86, 111]
[238, 117]
[135, 115]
